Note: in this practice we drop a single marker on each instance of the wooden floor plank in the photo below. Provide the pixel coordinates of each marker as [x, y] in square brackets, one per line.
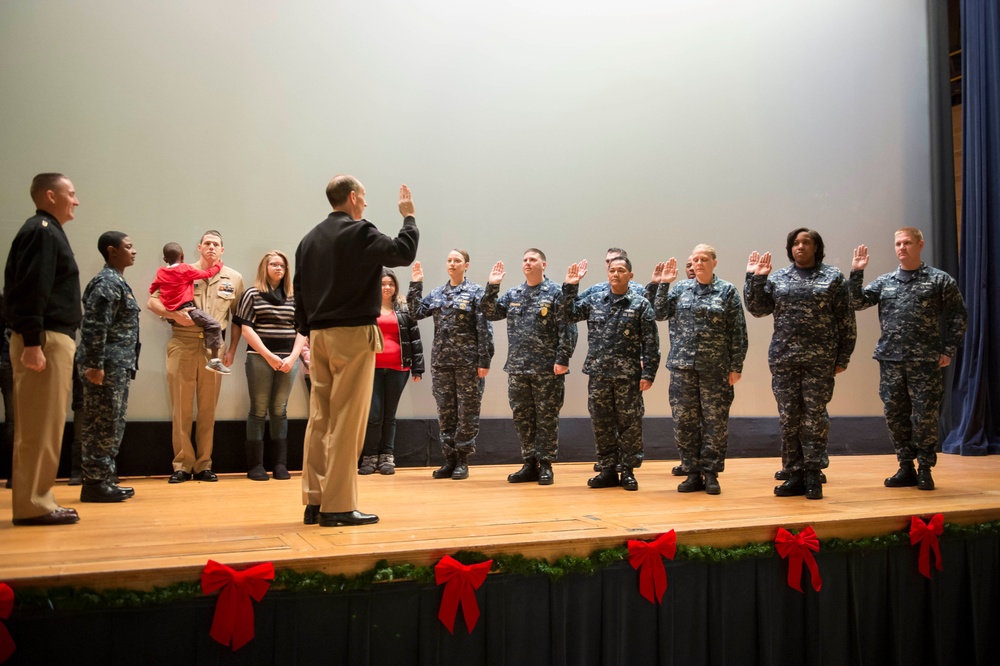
[167, 532]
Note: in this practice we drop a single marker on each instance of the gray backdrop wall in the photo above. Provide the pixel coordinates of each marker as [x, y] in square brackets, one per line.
[568, 126]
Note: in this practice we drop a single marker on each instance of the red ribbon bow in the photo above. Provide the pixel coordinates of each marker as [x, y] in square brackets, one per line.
[233, 621]
[926, 534]
[796, 548]
[7, 646]
[460, 584]
[647, 558]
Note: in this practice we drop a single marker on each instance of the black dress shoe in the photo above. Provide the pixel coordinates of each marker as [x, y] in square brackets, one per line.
[678, 470]
[61, 516]
[206, 475]
[311, 516]
[180, 476]
[527, 473]
[348, 518]
[608, 478]
[545, 475]
[628, 481]
[102, 491]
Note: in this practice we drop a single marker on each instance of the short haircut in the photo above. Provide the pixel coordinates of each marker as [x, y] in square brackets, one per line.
[617, 251]
[816, 238]
[913, 232]
[707, 249]
[44, 182]
[261, 283]
[397, 298]
[172, 253]
[340, 188]
[110, 239]
[623, 258]
[536, 251]
[464, 253]
[212, 232]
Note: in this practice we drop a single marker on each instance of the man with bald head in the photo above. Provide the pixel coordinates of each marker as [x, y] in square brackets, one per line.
[42, 307]
[337, 302]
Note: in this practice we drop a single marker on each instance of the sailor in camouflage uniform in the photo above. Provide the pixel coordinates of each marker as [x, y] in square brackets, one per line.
[460, 358]
[814, 336]
[633, 286]
[622, 359]
[923, 317]
[708, 343]
[107, 360]
[539, 347]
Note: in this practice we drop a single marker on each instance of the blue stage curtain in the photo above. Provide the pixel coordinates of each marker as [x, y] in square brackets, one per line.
[976, 391]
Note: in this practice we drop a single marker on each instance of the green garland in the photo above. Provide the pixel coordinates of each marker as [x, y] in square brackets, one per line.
[76, 599]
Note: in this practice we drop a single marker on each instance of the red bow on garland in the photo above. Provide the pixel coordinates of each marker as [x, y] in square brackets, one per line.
[926, 534]
[796, 548]
[460, 584]
[647, 558]
[7, 646]
[233, 621]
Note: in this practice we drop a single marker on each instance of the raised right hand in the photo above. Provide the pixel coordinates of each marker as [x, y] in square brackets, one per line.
[573, 274]
[417, 272]
[496, 275]
[763, 265]
[752, 262]
[405, 201]
[860, 260]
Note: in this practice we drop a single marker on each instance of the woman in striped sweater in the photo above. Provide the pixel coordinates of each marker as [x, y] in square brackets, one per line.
[266, 314]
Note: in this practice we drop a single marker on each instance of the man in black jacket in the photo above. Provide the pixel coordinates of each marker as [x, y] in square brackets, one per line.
[337, 288]
[42, 307]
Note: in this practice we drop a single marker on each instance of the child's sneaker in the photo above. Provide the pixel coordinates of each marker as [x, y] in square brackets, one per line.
[215, 365]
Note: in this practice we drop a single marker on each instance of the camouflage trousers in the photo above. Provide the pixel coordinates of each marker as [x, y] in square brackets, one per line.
[700, 402]
[802, 393]
[458, 393]
[912, 392]
[616, 411]
[103, 416]
[536, 401]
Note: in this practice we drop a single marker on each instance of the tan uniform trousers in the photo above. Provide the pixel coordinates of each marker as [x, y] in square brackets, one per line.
[40, 401]
[342, 369]
[187, 381]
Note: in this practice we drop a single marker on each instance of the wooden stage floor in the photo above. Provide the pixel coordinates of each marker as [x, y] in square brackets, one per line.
[167, 532]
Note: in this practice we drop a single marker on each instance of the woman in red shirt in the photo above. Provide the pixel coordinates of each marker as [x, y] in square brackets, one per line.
[401, 356]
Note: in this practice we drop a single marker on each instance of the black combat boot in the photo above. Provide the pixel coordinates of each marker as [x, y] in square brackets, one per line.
[678, 470]
[793, 486]
[461, 470]
[445, 470]
[905, 476]
[628, 481]
[545, 475]
[924, 479]
[712, 486]
[814, 487]
[102, 491]
[527, 473]
[693, 483]
[608, 478]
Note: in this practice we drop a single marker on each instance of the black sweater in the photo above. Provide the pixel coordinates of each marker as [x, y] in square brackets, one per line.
[41, 281]
[338, 271]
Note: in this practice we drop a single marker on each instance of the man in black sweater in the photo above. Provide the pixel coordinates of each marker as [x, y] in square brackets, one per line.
[337, 300]
[42, 307]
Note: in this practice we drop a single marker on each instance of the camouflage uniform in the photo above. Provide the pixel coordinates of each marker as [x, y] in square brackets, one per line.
[624, 347]
[634, 288]
[923, 316]
[109, 341]
[814, 333]
[537, 340]
[463, 343]
[708, 340]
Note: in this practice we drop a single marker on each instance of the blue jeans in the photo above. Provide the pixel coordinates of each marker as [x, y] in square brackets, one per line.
[380, 438]
[269, 391]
